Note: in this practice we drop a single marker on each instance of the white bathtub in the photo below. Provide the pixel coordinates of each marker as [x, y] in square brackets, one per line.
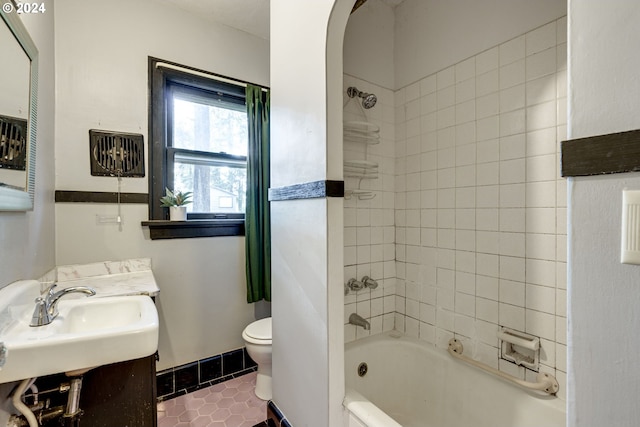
[412, 384]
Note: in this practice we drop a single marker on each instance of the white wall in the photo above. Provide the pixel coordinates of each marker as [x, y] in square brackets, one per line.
[27, 246]
[368, 44]
[603, 294]
[101, 77]
[306, 145]
[431, 35]
[28, 237]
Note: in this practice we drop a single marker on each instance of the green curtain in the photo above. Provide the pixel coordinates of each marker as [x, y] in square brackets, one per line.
[258, 218]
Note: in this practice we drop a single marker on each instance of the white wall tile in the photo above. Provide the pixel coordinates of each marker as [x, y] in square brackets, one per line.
[513, 147]
[541, 246]
[512, 50]
[513, 122]
[487, 242]
[488, 105]
[541, 194]
[512, 293]
[446, 97]
[487, 310]
[512, 219]
[465, 181]
[512, 195]
[511, 316]
[540, 324]
[487, 196]
[465, 112]
[542, 141]
[512, 98]
[513, 74]
[465, 70]
[465, 219]
[466, 90]
[488, 60]
[487, 219]
[445, 77]
[487, 83]
[542, 116]
[541, 220]
[487, 151]
[543, 89]
[512, 244]
[541, 38]
[487, 287]
[540, 298]
[541, 64]
[512, 268]
[541, 272]
[512, 171]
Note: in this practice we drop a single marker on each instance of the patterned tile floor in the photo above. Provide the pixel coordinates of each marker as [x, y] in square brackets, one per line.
[228, 404]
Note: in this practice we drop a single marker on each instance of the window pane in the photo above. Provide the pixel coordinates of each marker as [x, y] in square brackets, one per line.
[202, 126]
[218, 189]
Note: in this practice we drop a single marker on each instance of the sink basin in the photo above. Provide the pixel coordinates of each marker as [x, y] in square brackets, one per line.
[88, 332]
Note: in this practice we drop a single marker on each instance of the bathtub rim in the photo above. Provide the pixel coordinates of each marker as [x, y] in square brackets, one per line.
[396, 336]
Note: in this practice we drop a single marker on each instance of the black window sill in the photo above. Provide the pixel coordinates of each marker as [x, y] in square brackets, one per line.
[162, 229]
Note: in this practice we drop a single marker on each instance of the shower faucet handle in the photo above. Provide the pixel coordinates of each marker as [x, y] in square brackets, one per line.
[355, 285]
[369, 282]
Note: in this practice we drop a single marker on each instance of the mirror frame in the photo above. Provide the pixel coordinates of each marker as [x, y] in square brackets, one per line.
[10, 198]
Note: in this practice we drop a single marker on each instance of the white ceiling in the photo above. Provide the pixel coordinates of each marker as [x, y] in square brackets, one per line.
[251, 16]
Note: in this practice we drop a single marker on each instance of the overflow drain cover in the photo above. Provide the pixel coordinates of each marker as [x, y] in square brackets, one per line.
[363, 369]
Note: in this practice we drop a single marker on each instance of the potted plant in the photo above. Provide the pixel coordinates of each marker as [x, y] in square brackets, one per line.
[176, 202]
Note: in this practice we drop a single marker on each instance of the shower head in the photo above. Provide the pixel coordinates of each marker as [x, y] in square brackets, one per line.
[368, 99]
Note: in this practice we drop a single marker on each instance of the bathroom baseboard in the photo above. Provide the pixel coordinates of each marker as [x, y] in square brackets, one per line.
[203, 373]
[275, 417]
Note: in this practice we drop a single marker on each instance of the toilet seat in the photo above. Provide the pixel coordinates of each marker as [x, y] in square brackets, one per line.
[258, 332]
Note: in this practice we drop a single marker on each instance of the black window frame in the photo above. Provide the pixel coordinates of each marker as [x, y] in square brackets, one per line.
[162, 79]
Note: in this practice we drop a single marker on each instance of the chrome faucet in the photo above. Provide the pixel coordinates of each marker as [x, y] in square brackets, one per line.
[47, 307]
[357, 320]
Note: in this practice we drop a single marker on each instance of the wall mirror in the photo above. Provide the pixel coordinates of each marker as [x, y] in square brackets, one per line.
[18, 103]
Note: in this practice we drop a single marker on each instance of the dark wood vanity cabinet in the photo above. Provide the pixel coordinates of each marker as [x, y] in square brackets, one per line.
[121, 394]
[117, 395]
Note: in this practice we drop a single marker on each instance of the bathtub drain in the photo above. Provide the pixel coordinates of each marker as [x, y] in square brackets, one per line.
[362, 369]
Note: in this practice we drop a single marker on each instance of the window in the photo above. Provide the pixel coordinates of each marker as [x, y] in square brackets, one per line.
[207, 148]
[198, 143]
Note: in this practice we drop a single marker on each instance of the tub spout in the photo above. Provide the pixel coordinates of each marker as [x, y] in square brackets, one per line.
[357, 320]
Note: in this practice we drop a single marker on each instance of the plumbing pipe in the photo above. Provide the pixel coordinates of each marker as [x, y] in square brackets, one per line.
[20, 406]
[34, 391]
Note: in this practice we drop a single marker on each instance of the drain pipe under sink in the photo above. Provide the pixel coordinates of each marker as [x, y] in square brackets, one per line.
[20, 406]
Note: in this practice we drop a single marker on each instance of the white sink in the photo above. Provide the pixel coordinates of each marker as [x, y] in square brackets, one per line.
[88, 332]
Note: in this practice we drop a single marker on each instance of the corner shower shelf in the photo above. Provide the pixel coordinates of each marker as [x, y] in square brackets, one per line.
[363, 169]
[362, 132]
[360, 194]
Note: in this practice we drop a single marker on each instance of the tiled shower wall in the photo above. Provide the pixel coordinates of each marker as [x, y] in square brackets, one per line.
[471, 233]
[369, 234]
[480, 208]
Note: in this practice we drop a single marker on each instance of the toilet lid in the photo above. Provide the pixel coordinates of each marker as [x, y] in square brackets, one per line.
[260, 329]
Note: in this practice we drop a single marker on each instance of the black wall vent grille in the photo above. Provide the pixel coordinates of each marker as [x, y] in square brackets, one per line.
[116, 153]
[13, 143]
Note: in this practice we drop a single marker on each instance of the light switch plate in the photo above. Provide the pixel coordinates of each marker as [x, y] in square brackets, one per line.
[630, 250]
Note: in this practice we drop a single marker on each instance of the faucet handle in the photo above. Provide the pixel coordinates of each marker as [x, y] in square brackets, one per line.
[369, 282]
[41, 315]
[354, 285]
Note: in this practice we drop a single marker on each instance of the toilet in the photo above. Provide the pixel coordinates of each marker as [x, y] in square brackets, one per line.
[257, 337]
